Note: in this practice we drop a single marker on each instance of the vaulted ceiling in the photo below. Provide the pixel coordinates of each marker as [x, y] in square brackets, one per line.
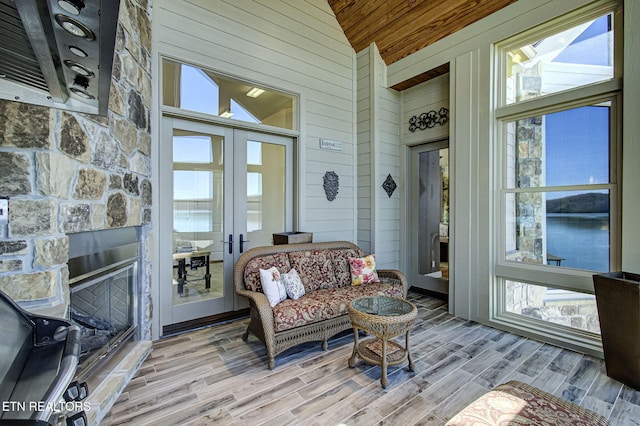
[401, 27]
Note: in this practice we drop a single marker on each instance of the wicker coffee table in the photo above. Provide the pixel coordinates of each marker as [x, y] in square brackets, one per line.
[384, 318]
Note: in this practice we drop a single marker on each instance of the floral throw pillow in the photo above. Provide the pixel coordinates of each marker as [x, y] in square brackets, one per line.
[363, 270]
[292, 284]
[272, 286]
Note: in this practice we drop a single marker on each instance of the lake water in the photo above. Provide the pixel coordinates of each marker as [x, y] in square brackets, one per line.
[582, 239]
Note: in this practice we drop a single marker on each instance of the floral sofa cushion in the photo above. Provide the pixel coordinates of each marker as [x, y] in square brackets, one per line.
[252, 270]
[315, 268]
[340, 259]
[325, 304]
[518, 403]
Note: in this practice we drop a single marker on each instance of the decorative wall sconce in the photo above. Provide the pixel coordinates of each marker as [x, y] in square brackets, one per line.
[331, 184]
[389, 185]
[429, 119]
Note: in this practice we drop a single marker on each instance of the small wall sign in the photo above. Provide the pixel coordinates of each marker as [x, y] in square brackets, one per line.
[331, 145]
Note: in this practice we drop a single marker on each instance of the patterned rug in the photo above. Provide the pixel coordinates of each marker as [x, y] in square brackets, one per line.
[516, 403]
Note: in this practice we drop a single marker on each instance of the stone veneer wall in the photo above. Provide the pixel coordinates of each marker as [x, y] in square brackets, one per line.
[71, 172]
[529, 300]
[531, 207]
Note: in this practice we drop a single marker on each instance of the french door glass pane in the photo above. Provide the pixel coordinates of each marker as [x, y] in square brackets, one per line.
[568, 308]
[198, 219]
[266, 195]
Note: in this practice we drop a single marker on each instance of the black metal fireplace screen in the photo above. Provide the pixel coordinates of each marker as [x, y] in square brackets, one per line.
[103, 284]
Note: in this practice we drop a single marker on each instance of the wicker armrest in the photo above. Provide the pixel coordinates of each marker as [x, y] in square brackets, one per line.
[261, 304]
[394, 274]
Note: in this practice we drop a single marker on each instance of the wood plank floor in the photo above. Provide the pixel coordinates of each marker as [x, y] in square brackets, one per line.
[211, 376]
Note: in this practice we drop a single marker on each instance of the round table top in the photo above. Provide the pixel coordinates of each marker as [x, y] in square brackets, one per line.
[382, 306]
[382, 316]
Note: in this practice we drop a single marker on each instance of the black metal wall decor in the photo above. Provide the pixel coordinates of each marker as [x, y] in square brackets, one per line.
[389, 185]
[429, 119]
[331, 184]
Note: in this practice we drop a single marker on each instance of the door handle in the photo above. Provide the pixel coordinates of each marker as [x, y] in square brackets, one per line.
[242, 241]
[230, 242]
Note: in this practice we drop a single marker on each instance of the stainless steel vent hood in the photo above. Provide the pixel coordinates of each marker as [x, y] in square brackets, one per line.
[58, 53]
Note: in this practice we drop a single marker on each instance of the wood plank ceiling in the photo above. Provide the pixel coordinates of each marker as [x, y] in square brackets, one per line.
[401, 27]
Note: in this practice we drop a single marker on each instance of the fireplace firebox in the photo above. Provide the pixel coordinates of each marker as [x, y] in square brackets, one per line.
[103, 281]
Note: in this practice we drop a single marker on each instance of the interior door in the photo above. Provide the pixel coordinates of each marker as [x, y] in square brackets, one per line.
[429, 204]
[225, 190]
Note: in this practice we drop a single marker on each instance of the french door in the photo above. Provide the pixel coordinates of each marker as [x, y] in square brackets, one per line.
[429, 207]
[223, 191]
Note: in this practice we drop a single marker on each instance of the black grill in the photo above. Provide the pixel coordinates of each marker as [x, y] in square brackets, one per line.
[38, 359]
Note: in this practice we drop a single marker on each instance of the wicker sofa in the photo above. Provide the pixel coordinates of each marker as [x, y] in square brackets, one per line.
[322, 311]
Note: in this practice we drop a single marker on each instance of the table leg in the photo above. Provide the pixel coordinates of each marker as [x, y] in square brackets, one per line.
[352, 360]
[182, 276]
[383, 380]
[411, 368]
[207, 275]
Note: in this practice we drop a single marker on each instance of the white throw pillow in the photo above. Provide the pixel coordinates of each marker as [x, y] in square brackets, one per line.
[292, 284]
[272, 286]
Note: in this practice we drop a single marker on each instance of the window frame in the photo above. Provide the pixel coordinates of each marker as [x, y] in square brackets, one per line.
[559, 277]
[178, 112]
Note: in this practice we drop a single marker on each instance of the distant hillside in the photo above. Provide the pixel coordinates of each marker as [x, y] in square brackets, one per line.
[583, 203]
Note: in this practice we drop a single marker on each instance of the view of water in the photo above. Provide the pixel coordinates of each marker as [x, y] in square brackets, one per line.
[582, 239]
[201, 221]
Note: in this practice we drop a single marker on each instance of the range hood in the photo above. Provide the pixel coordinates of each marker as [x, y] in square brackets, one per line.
[58, 53]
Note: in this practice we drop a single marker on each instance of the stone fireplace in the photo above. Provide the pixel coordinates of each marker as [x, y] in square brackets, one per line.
[68, 173]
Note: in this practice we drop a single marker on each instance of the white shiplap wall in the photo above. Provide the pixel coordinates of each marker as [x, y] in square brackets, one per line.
[365, 160]
[292, 45]
[387, 146]
[378, 156]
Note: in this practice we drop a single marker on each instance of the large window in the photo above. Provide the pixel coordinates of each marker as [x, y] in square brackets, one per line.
[559, 196]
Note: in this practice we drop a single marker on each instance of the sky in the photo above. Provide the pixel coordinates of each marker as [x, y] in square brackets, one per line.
[577, 140]
[577, 148]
